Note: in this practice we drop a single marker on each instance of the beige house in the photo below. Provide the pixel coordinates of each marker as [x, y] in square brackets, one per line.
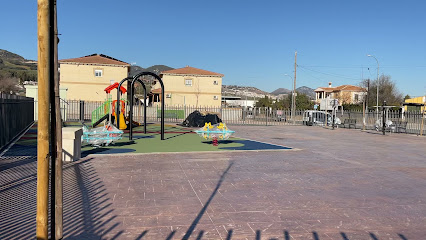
[87, 77]
[346, 94]
[191, 87]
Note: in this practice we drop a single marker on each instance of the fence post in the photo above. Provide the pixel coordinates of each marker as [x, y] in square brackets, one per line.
[81, 110]
[423, 118]
[266, 114]
[384, 118]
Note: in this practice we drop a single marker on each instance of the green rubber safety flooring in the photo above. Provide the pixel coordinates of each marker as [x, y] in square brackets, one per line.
[176, 139]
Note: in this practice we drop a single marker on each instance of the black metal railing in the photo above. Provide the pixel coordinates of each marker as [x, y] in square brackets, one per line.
[16, 114]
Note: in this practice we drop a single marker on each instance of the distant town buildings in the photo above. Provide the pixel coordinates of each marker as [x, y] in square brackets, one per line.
[237, 101]
[346, 94]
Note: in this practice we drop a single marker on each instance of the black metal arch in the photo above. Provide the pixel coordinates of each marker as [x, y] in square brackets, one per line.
[117, 110]
[162, 100]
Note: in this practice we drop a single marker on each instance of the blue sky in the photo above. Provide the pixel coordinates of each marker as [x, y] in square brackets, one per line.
[251, 42]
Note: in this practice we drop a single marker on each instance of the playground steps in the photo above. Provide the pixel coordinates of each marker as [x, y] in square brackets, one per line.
[100, 112]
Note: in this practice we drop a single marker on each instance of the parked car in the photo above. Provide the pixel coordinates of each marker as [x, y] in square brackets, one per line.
[314, 117]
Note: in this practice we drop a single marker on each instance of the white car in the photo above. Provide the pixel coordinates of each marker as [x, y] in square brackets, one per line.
[314, 117]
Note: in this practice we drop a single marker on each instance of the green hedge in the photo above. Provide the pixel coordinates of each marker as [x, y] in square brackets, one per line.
[178, 114]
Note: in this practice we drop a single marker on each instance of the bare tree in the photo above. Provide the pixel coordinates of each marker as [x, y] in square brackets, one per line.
[387, 91]
[8, 84]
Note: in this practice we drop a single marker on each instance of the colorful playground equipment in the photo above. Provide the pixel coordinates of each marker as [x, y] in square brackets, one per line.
[215, 132]
[105, 135]
[110, 109]
[103, 112]
[101, 136]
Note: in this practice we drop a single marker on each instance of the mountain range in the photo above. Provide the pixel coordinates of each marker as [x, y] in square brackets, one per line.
[252, 92]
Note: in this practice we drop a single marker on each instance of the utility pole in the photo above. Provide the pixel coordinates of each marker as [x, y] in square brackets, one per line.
[377, 87]
[53, 149]
[293, 97]
[368, 98]
[58, 161]
[45, 74]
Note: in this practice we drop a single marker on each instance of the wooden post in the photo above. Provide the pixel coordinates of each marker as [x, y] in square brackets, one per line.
[43, 70]
[58, 162]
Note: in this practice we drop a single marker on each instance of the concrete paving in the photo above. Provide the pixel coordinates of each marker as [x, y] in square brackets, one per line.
[341, 184]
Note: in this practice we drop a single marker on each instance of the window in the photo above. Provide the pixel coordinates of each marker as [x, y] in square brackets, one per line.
[168, 95]
[215, 98]
[215, 82]
[98, 73]
[356, 98]
[188, 82]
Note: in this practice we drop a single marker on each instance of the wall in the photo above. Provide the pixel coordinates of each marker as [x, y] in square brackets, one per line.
[31, 91]
[82, 83]
[16, 114]
[201, 92]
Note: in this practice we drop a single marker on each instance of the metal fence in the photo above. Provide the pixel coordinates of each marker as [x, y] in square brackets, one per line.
[407, 122]
[16, 114]
[75, 110]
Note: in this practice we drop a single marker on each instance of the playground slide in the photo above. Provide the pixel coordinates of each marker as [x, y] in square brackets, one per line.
[101, 120]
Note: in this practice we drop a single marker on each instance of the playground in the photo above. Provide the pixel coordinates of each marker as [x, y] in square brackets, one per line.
[109, 134]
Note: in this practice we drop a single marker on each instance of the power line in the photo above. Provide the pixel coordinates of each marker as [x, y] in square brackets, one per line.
[330, 74]
[312, 75]
[384, 66]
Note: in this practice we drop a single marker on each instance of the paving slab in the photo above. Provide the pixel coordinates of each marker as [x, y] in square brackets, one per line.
[341, 184]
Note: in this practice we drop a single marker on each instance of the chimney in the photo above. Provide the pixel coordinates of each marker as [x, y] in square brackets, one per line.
[329, 84]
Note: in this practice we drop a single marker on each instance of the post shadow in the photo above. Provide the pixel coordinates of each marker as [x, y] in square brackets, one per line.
[203, 210]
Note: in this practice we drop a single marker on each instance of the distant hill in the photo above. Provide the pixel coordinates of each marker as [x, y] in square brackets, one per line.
[306, 90]
[135, 69]
[13, 65]
[157, 69]
[9, 56]
[281, 91]
[243, 91]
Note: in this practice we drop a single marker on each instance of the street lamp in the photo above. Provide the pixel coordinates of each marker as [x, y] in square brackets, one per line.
[377, 97]
[293, 102]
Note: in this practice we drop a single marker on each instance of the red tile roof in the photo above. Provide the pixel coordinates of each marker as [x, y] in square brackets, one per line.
[324, 89]
[349, 88]
[340, 88]
[191, 71]
[96, 59]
